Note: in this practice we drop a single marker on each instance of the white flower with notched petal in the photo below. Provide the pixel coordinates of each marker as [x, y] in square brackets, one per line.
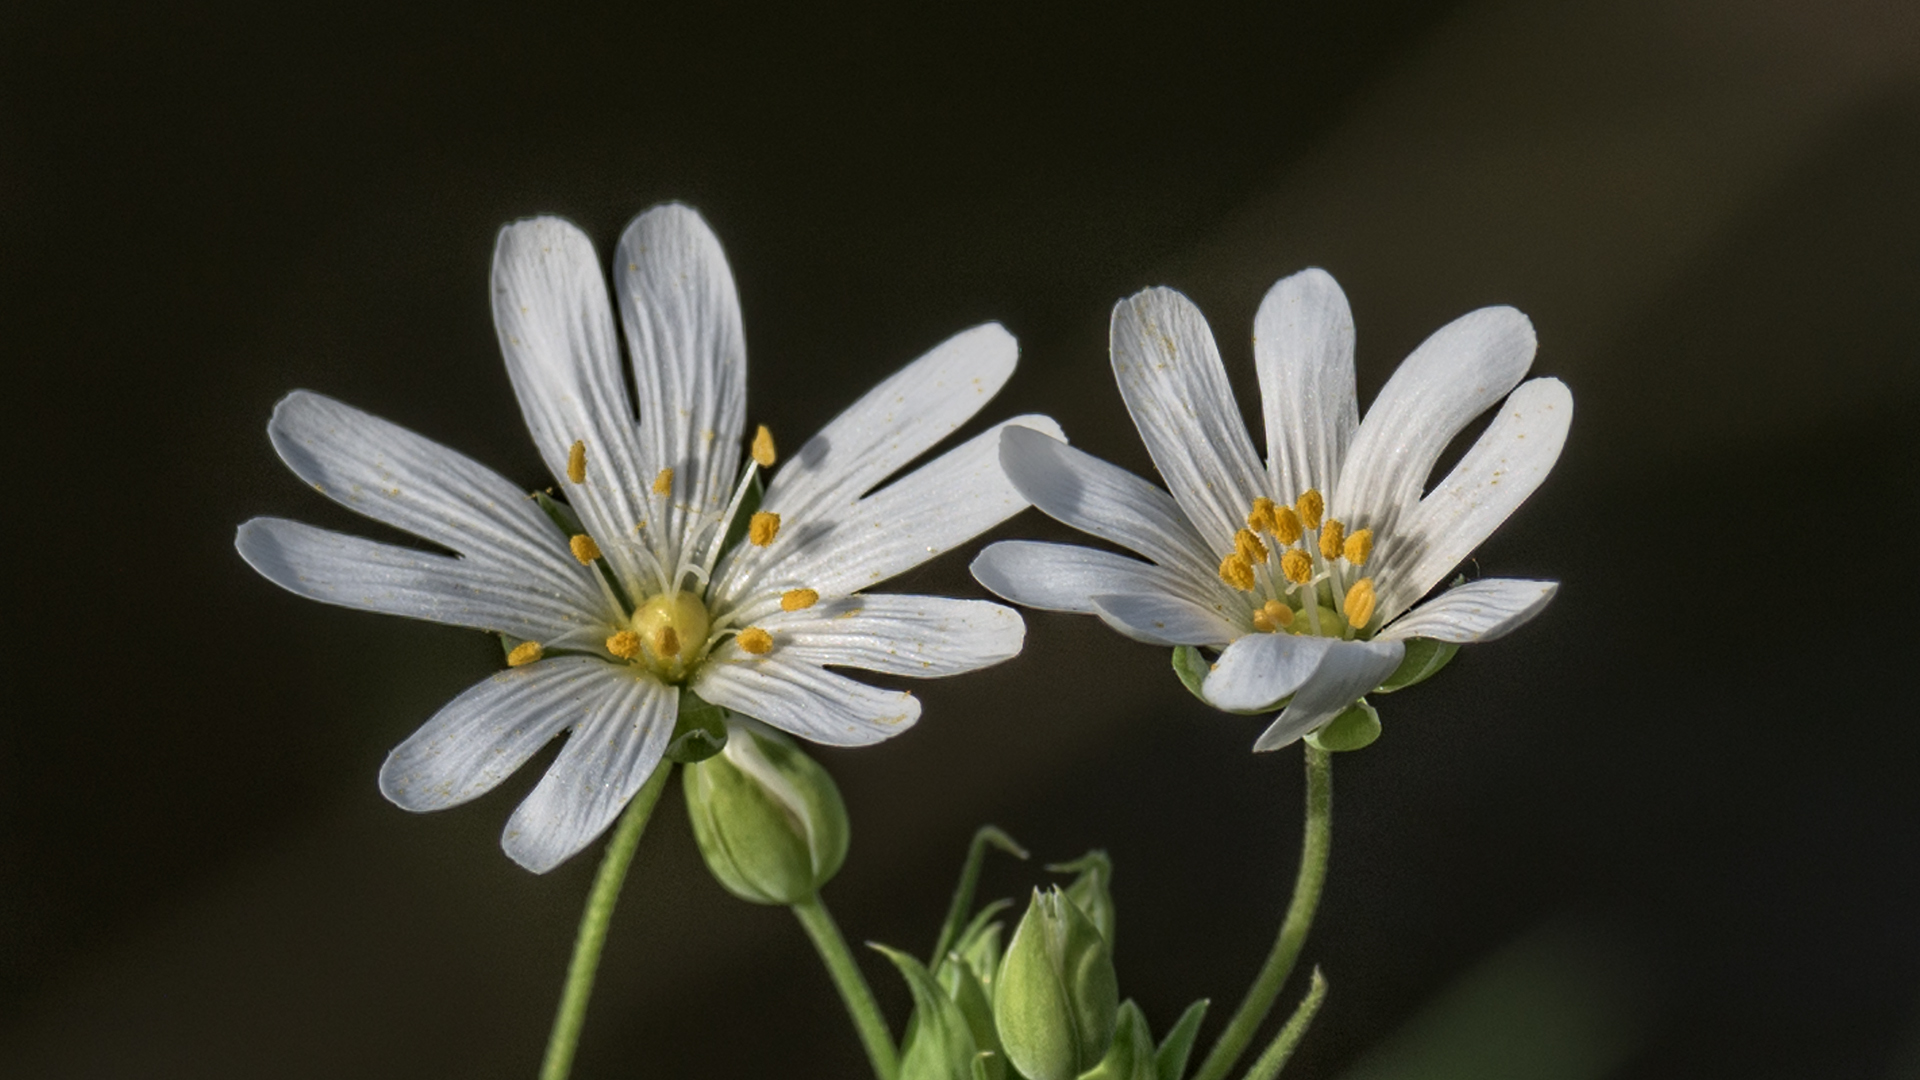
[645, 598]
[1298, 573]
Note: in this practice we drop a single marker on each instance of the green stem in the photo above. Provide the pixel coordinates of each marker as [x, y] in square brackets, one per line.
[1266, 986]
[593, 926]
[1274, 1058]
[852, 986]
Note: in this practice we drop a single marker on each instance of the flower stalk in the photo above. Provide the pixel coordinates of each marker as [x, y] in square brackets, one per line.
[854, 991]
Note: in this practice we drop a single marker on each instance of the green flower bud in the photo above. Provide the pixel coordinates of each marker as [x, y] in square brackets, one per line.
[939, 1042]
[768, 819]
[1131, 1057]
[1092, 889]
[1055, 997]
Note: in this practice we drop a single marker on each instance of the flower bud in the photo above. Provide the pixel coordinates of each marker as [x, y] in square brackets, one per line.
[1055, 997]
[1092, 889]
[768, 819]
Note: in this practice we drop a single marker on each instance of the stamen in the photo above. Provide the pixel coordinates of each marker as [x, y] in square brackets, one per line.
[1298, 567]
[1360, 547]
[763, 527]
[1278, 613]
[1261, 519]
[1332, 535]
[756, 641]
[798, 599]
[1311, 506]
[577, 462]
[625, 644]
[763, 448]
[663, 483]
[525, 653]
[1359, 605]
[584, 548]
[1262, 623]
[1236, 571]
[1248, 546]
[1286, 526]
[666, 642]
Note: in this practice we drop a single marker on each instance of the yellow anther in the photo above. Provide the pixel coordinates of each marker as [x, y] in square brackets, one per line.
[584, 548]
[577, 462]
[525, 653]
[1262, 623]
[666, 642]
[1297, 566]
[625, 644]
[1248, 546]
[1278, 613]
[798, 599]
[1311, 506]
[1360, 547]
[1286, 526]
[763, 527]
[763, 447]
[1359, 605]
[1332, 535]
[1236, 571]
[663, 482]
[756, 641]
[1261, 517]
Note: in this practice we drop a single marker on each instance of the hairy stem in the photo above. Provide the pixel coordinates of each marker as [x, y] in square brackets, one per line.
[854, 991]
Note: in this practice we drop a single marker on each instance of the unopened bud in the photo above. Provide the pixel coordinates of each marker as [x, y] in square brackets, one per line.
[1056, 998]
[768, 819]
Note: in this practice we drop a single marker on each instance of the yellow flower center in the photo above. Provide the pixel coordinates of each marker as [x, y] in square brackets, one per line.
[669, 633]
[1304, 577]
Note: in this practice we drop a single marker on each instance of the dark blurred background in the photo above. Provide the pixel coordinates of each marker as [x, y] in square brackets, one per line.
[1667, 831]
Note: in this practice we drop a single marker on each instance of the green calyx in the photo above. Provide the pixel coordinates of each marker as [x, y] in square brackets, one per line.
[1056, 997]
[767, 818]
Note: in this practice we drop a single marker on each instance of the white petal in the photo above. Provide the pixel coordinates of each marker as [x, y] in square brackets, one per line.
[1504, 466]
[1303, 349]
[920, 636]
[1165, 619]
[338, 569]
[804, 699]
[682, 321]
[894, 423]
[1454, 376]
[556, 332]
[1170, 374]
[1477, 611]
[390, 474]
[1260, 669]
[1065, 577]
[479, 738]
[615, 746]
[1106, 501]
[939, 506]
[1349, 670]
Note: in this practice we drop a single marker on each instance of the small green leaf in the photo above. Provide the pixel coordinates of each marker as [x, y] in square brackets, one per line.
[1131, 1055]
[1424, 659]
[963, 985]
[1092, 889]
[1192, 669]
[978, 946]
[939, 1041]
[1170, 1061]
[1353, 729]
[560, 514]
[700, 732]
[986, 836]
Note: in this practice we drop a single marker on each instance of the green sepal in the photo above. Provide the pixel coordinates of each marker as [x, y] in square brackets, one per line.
[984, 837]
[749, 503]
[560, 514]
[1055, 999]
[939, 1040]
[1354, 729]
[1170, 1061]
[1092, 889]
[768, 820]
[1423, 660]
[1131, 1055]
[700, 732]
[962, 984]
[1192, 668]
[978, 946]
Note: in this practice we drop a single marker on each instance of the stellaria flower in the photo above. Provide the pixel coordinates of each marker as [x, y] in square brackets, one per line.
[646, 598]
[1298, 573]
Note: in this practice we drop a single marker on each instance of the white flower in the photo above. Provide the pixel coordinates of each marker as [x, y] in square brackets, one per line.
[646, 600]
[1299, 572]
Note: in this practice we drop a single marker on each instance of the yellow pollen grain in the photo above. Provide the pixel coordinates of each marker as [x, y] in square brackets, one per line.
[584, 548]
[1236, 571]
[1360, 547]
[625, 644]
[1261, 519]
[1278, 613]
[1311, 506]
[1286, 526]
[763, 454]
[763, 527]
[666, 642]
[1249, 547]
[756, 641]
[1297, 566]
[525, 653]
[577, 462]
[1359, 605]
[663, 483]
[798, 599]
[1332, 536]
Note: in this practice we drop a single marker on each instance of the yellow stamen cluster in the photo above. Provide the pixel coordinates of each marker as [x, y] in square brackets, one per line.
[1311, 505]
[583, 548]
[1332, 536]
[1308, 545]
[756, 641]
[763, 448]
[1297, 565]
[763, 527]
[1273, 615]
[1359, 547]
[577, 462]
[525, 653]
[1236, 571]
[1359, 606]
[798, 599]
[663, 482]
[625, 644]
